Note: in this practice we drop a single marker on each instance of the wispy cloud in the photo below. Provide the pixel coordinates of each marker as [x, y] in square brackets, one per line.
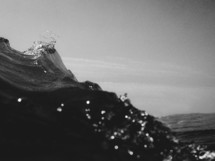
[158, 87]
[147, 72]
[164, 99]
[92, 62]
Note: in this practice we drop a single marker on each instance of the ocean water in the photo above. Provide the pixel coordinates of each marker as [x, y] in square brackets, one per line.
[47, 114]
[195, 127]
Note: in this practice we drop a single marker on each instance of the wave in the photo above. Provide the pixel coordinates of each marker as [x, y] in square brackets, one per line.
[196, 127]
[201, 137]
[47, 112]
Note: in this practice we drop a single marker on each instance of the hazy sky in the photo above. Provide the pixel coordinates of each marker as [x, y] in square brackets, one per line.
[161, 52]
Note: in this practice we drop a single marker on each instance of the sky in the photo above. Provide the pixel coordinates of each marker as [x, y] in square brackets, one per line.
[160, 52]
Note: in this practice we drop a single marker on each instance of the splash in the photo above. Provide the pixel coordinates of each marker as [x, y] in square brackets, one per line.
[49, 37]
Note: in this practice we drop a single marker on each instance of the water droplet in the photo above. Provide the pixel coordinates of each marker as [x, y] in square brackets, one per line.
[130, 152]
[127, 117]
[95, 125]
[131, 112]
[143, 113]
[19, 100]
[116, 147]
[140, 121]
[142, 128]
[175, 140]
[62, 104]
[151, 139]
[112, 137]
[87, 110]
[87, 102]
[91, 87]
[59, 109]
[88, 116]
[103, 112]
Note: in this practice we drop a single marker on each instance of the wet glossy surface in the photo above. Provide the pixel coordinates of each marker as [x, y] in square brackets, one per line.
[45, 111]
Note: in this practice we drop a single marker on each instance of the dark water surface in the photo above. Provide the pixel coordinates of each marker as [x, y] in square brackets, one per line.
[199, 128]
